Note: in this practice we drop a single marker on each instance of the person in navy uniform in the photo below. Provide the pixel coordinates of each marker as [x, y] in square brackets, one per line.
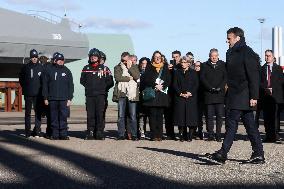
[97, 80]
[271, 89]
[58, 89]
[46, 109]
[30, 79]
[243, 78]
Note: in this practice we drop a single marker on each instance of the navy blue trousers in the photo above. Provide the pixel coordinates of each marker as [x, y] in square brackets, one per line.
[58, 117]
[233, 118]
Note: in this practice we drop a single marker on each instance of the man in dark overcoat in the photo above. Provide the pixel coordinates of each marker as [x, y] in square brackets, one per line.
[243, 70]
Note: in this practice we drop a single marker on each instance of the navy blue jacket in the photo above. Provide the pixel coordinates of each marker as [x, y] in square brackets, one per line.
[30, 79]
[57, 83]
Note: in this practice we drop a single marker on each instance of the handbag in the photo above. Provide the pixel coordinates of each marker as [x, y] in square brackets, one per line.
[149, 93]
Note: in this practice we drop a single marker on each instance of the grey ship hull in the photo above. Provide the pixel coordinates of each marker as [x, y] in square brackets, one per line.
[20, 33]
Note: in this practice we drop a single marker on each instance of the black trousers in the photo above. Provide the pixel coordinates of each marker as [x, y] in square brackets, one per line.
[95, 107]
[271, 115]
[156, 121]
[58, 117]
[251, 129]
[218, 111]
[168, 114]
[48, 131]
[201, 112]
[36, 103]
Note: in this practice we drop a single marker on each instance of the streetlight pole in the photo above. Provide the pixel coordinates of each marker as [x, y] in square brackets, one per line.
[261, 21]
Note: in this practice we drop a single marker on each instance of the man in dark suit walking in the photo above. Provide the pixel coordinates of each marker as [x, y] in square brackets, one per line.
[272, 80]
[243, 70]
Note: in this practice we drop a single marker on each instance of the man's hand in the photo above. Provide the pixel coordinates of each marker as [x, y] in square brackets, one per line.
[170, 66]
[131, 78]
[253, 102]
[129, 64]
[188, 94]
[46, 102]
[68, 103]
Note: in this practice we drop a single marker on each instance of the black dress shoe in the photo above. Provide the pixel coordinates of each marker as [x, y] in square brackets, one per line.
[200, 135]
[90, 135]
[269, 140]
[64, 138]
[134, 138]
[216, 156]
[218, 139]
[100, 137]
[120, 138]
[210, 139]
[255, 160]
[171, 138]
[54, 138]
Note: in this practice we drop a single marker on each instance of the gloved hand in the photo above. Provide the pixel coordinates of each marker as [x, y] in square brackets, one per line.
[218, 89]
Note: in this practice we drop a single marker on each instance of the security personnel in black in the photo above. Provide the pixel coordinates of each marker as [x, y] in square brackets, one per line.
[97, 80]
[58, 91]
[243, 78]
[30, 79]
[271, 90]
[214, 78]
[46, 107]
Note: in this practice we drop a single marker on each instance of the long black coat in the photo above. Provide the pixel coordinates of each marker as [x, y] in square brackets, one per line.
[148, 80]
[243, 69]
[185, 110]
[277, 83]
[213, 76]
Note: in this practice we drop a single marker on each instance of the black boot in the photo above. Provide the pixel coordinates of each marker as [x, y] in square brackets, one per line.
[181, 134]
[190, 134]
[90, 135]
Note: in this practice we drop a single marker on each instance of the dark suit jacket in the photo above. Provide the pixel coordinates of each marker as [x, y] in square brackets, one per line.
[277, 83]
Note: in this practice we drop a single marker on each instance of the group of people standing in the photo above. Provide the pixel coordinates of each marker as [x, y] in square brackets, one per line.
[49, 89]
[178, 92]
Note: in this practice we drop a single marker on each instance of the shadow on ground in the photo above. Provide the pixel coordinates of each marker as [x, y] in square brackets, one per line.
[108, 175]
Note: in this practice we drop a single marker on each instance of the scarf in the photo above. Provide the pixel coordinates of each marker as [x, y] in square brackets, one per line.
[158, 66]
[130, 87]
[95, 65]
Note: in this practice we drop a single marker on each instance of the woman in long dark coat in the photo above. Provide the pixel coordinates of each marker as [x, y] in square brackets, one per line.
[185, 104]
[156, 106]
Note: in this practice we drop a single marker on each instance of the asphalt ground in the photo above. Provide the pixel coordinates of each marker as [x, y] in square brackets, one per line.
[41, 163]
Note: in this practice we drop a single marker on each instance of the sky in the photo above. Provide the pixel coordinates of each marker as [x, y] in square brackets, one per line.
[185, 25]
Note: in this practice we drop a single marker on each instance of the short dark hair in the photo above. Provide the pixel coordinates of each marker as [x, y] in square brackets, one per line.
[269, 50]
[237, 31]
[176, 52]
[124, 54]
[189, 54]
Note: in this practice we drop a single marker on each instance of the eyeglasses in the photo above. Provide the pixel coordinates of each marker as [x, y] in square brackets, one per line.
[157, 57]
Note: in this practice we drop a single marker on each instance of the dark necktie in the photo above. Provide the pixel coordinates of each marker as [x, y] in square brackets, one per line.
[268, 77]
